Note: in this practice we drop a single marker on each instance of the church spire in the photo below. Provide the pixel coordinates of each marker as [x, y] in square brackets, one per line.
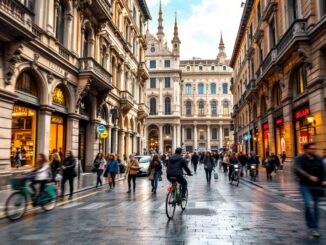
[176, 31]
[221, 46]
[160, 32]
[221, 51]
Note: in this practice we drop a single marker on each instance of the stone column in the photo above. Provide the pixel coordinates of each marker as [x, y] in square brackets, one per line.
[72, 135]
[174, 137]
[161, 146]
[195, 138]
[109, 140]
[208, 137]
[183, 137]
[221, 136]
[121, 150]
[43, 135]
[178, 136]
[134, 142]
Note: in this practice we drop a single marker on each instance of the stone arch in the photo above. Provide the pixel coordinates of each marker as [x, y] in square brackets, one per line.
[132, 124]
[68, 93]
[276, 95]
[126, 123]
[42, 86]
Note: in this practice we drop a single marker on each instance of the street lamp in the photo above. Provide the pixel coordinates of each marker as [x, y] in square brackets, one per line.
[311, 119]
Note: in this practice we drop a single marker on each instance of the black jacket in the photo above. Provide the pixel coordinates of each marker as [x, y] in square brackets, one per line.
[155, 165]
[70, 164]
[195, 158]
[175, 166]
[305, 167]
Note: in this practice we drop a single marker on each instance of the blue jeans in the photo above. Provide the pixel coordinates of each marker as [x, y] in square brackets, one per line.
[155, 181]
[311, 203]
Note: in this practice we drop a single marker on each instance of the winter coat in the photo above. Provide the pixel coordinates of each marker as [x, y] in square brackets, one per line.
[195, 158]
[209, 164]
[112, 166]
[69, 163]
[175, 166]
[306, 167]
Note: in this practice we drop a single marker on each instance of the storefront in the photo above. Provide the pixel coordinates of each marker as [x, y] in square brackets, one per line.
[265, 140]
[304, 130]
[23, 135]
[279, 135]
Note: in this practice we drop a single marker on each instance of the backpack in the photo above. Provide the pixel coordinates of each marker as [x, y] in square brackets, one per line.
[97, 163]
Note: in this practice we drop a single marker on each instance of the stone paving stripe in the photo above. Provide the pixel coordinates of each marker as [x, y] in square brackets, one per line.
[94, 205]
[73, 204]
[284, 207]
[323, 208]
[251, 206]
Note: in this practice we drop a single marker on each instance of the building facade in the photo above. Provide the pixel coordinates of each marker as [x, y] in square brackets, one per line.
[67, 67]
[279, 77]
[190, 100]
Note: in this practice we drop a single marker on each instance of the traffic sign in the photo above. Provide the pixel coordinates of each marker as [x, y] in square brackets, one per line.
[104, 135]
[101, 129]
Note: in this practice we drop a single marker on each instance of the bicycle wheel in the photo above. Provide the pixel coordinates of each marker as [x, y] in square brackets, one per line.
[48, 203]
[170, 205]
[237, 180]
[16, 206]
[184, 202]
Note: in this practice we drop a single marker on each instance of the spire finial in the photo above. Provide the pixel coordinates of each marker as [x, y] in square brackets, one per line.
[221, 42]
[176, 32]
[160, 33]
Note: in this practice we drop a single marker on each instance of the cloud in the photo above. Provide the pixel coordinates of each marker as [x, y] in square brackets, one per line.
[200, 25]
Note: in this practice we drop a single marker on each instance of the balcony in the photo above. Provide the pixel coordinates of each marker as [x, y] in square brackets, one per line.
[143, 111]
[201, 113]
[269, 60]
[214, 114]
[100, 77]
[101, 9]
[271, 6]
[16, 20]
[143, 71]
[251, 88]
[126, 101]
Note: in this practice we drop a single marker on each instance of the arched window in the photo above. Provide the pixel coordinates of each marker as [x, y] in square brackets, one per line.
[299, 80]
[26, 84]
[103, 56]
[214, 108]
[213, 88]
[277, 96]
[152, 106]
[226, 110]
[263, 105]
[167, 106]
[60, 21]
[58, 97]
[87, 36]
[201, 88]
[188, 88]
[201, 108]
[188, 108]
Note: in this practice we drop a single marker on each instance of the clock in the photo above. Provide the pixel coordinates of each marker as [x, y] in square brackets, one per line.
[152, 49]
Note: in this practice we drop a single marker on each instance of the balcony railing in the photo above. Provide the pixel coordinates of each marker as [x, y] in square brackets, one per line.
[143, 110]
[143, 70]
[91, 67]
[127, 100]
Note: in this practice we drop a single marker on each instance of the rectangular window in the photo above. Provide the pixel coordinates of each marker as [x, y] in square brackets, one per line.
[200, 68]
[260, 54]
[224, 68]
[272, 33]
[153, 82]
[323, 7]
[189, 148]
[226, 133]
[188, 133]
[214, 133]
[167, 82]
[213, 68]
[201, 134]
[188, 89]
[293, 10]
[225, 88]
[201, 88]
[167, 63]
[152, 64]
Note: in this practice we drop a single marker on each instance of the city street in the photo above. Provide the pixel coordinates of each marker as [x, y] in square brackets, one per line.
[218, 213]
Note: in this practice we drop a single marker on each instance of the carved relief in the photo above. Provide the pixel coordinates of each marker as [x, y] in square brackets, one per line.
[82, 90]
[13, 57]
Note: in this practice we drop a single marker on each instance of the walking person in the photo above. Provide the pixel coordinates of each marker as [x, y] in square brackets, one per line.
[243, 161]
[55, 165]
[209, 166]
[226, 162]
[155, 171]
[270, 166]
[202, 156]
[132, 170]
[187, 157]
[68, 173]
[18, 157]
[194, 160]
[310, 170]
[112, 168]
[283, 157]
[232, 161]
[99, 165]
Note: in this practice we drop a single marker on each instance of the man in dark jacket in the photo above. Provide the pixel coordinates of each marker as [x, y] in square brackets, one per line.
[310, 170]
[243, 160]
[68, 173]
[175, 167]
[194, 160]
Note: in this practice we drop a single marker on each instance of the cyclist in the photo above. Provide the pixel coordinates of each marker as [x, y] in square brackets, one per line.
[41, 173]
[233, 161]
[175, 167]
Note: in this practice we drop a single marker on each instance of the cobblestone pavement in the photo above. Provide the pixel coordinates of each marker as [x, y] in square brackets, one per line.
[218, 213]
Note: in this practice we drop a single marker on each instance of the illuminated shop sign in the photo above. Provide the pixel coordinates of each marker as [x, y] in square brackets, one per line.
[265, 126]
[279, 121]
[302, 113]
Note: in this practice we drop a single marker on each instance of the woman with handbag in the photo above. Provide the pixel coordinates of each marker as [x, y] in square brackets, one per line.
[209, 165]
[98, 167]
[112, 168]
[68, 173]
[132, 170]
[155, 170]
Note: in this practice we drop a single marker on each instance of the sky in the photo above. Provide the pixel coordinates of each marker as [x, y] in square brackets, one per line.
[201, 23]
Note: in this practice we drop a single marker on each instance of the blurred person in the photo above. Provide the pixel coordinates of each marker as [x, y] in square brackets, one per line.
[41, 173]
[194, 160]
[310, 170]
[209, 166]
[131, 172]
[226, 162]
[99, 165]
[187, 158]
[232, 161]
[243, 161]
[55, 165]
[112, 168]
[68, 173]
[155, 171]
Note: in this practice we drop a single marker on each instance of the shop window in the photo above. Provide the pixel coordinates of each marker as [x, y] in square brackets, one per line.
[57, 133]
[299, 79]
[58, 97]
[23, 135]
[26, 84]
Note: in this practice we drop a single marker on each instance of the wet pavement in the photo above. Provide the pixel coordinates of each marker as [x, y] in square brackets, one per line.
[218, 213]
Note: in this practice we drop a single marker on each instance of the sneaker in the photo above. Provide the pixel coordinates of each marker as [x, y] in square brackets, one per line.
[315, 234]
[128, 191]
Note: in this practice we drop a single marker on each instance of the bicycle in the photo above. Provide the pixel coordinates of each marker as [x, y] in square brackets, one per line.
[235, 176]
[174, 198]
[17, 203]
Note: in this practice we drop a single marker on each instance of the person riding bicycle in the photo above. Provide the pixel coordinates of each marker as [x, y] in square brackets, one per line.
[233, 161]
[41, 174]
[175, 167]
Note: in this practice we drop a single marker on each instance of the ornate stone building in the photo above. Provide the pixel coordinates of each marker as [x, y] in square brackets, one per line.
[163, 90]
[189, 100]
[279, 76]
[67, 66]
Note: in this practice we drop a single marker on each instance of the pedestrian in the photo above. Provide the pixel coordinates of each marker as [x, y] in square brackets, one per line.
[232, 161]
[194, 160]
[68, 173]
[18, 158]
[155, 171]
[132, 170]
[55, 165]
[270, 164]
[324, 159]
[99, 165]
[112, 168]
[209, 166]
[226, 162]
[187, 157]
[283, 157]
[202, 156]
[310, 170]
[41, 174]
[243, 161]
